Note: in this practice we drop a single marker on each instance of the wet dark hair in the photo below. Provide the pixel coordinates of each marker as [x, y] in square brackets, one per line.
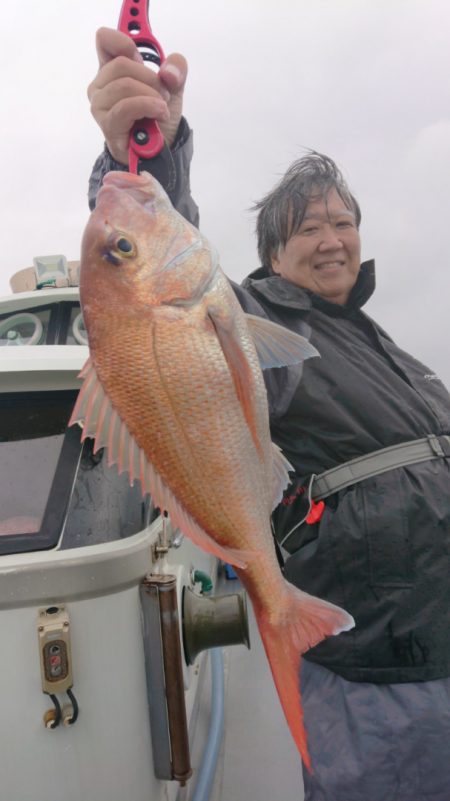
[281, 211]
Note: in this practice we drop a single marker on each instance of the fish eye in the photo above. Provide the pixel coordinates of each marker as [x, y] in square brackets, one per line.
[119, 247]
[124, 246]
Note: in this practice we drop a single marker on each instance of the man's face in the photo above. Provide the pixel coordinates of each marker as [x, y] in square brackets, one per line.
[325, 254]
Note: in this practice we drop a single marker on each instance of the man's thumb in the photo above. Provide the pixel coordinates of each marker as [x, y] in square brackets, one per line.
[173, 73]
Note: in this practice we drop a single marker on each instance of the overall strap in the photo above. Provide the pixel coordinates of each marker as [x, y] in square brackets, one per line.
[371, 464]
[377, 462]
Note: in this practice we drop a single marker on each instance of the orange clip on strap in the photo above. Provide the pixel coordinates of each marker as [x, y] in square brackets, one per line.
[315, 512]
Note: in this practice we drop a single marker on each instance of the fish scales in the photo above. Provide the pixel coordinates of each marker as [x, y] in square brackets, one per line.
[207, 448]
[175, 392]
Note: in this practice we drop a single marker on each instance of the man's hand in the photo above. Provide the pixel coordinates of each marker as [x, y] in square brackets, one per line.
[125, 90]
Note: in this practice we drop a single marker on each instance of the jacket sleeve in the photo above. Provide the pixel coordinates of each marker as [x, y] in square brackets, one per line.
[171, 168]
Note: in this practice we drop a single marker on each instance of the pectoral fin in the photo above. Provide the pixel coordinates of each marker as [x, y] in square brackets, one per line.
[277, 346]
[240, 370]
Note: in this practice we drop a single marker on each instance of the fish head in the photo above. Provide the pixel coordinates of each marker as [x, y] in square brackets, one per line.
[138, 252]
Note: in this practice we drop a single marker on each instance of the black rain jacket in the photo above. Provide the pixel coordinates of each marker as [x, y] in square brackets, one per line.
[381, 549]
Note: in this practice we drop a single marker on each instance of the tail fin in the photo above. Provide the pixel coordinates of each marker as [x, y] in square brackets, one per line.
[302, 623]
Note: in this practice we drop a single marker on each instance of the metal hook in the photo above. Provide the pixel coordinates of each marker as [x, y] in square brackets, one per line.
[70, 713]
[52, 718]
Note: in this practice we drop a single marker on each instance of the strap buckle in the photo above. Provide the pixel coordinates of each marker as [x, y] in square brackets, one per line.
[439, 445]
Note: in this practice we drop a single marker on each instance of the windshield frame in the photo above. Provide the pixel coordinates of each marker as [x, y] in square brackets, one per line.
[57, 503]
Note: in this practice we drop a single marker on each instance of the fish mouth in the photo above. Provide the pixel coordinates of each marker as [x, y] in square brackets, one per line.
[142, 188]
[126, 180]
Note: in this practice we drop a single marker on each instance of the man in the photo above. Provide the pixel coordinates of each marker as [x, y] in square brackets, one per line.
[376, 699]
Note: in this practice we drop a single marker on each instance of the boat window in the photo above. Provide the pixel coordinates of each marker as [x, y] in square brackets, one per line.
[34, 446]
[103, 506]
[65, 328]
[55, 324]
[76, 333]
[53, 489]
[25, 327]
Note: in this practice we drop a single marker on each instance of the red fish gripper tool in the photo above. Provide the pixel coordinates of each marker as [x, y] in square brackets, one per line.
[146, 139]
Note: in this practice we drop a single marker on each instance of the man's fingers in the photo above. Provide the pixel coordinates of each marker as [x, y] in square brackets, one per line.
[118, 121]
[121, 68]
[173, 73]
[121, 89]
[111, 43]
[125, 90]
[124, 114]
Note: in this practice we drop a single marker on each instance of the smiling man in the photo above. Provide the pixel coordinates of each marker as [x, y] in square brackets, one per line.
[377, 698]
[324, 255]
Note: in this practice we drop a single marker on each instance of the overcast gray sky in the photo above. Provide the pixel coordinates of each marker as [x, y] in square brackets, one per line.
[365, 81]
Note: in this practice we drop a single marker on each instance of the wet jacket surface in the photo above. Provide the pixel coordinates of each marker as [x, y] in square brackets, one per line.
[381, 549]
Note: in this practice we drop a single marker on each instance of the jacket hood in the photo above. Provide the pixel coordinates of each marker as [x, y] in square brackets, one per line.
[277, 290]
